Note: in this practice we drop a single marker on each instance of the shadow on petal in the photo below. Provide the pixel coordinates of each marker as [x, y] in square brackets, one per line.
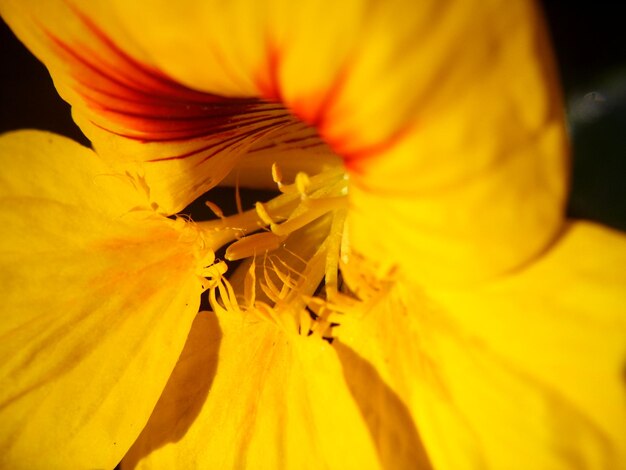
[389, 421]
[185, 392]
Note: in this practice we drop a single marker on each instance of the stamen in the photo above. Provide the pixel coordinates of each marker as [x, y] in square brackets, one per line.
[314, 208]
[290, 282]
[270, 288]
[249, 290]
[284, 278]
[263, 214]
[213, 274]
[277, 175]
[238, 196]
[227, 302]
[215, 209]
[253, 245]
[332, 260]
[302, 183]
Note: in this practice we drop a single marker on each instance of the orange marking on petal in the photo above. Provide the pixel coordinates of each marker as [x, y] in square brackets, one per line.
[139, 102]
[231, 142]
[268, 81]
[314, 109]
[355, 158]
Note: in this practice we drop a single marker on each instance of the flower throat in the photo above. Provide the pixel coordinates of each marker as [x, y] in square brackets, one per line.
[292, 253]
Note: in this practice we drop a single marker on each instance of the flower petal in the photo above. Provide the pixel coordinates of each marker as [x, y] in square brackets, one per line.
[525, 372]
[98, 297]
[292, 150]
[180, 140]
[464, 164]
[446, 115]
[476, 183]
[268, 399]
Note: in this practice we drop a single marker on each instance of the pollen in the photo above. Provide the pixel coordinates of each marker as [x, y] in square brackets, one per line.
[290, 247]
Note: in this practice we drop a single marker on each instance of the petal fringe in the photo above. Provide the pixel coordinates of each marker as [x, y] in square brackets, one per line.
[98, 297]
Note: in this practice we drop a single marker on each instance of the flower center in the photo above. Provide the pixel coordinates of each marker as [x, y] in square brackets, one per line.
[291, 250]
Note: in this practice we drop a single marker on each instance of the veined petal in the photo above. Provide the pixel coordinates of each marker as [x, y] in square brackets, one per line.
[524, 372]
[274, 394]
[269, 399]
[292, 149]
[98, 297]
[182, 141]
[446, 114]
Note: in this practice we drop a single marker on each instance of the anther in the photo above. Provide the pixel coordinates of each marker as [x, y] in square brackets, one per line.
[215, 209]
[302, 184]
[277, 175]
[263, 214]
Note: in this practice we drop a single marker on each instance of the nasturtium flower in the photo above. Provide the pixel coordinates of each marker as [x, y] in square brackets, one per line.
[414, 297]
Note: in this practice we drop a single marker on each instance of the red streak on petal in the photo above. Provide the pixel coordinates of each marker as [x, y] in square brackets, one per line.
[136, 101]
[268, 81]
[207, 132]
[151, 80]
[230, 142]
[315, 109]
[355, 159]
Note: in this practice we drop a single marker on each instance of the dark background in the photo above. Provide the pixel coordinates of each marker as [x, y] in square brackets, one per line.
[590, 44]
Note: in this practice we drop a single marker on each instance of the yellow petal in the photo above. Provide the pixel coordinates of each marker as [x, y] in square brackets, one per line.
[525, 372]
[98, 297]
[179, 140]
[464, 164]
[447, 115]
[284, 149]
[476, 185]
[269, 399]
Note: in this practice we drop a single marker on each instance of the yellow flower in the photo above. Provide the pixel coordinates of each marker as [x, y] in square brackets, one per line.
[457, 320]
